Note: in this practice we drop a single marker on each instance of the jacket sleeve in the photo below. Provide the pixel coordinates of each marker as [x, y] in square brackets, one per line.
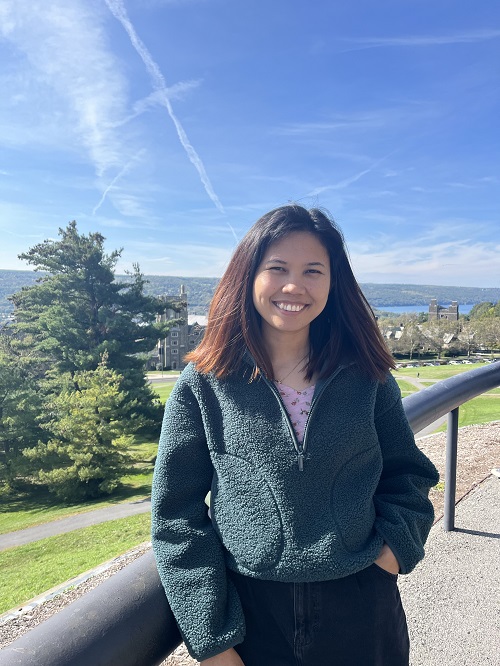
[404, 511]
[188, 553]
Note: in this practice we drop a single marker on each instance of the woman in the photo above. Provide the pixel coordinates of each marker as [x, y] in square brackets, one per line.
[289, 416]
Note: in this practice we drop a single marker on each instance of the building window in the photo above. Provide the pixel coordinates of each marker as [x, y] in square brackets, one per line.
[174, 334]
[174, 351]
[175, 342]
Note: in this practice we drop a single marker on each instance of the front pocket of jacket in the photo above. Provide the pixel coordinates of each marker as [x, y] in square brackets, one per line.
[245, 514]
[352, 498]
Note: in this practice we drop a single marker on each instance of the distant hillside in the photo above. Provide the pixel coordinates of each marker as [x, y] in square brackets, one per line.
[379, 295]
[200, 291]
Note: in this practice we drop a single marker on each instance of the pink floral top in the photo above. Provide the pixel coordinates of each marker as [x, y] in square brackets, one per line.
[298, 406]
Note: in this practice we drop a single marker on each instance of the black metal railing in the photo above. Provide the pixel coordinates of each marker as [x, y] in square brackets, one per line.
[445, 397]
[126, 621]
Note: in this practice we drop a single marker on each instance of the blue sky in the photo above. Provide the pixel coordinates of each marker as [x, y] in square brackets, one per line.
[170, 126]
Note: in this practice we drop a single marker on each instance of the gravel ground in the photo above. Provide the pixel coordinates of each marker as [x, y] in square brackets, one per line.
[478, 453]
[451, 599]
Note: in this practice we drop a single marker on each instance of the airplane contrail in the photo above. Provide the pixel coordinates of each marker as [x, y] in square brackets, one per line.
[118, 10]
[113, 182]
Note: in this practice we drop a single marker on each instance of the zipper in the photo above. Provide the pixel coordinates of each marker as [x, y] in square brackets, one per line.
[301, 448]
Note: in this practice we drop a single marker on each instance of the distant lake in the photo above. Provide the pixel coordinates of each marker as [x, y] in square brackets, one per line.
[399, 309]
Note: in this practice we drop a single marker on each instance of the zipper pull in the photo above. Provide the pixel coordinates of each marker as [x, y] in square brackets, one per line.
[300, 461]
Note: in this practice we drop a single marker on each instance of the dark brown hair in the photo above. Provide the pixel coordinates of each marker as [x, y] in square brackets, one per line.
[345, 330]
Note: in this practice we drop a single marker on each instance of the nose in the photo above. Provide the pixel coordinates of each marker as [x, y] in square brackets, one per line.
[293, 286]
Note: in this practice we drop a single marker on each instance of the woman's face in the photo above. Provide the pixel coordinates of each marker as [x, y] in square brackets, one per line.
[292, 283]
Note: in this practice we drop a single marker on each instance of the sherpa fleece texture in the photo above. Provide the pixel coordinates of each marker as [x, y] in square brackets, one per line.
[364, 482]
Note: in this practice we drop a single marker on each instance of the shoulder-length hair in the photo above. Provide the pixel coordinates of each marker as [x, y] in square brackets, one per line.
[346, 329]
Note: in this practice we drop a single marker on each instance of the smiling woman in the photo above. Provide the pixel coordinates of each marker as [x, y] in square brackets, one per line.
[292, 283]
[289, 416]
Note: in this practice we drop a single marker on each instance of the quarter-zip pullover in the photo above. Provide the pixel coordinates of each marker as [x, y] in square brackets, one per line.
[281, 510]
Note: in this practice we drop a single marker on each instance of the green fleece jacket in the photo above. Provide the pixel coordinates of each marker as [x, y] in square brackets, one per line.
[280, 510]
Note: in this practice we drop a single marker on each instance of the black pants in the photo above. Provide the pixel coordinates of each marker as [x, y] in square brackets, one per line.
[353, 621]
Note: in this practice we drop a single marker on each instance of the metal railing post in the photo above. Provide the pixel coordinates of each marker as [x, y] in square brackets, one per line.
[450, 475]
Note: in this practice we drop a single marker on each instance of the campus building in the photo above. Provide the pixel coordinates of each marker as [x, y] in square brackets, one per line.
[170, 351]
[439, 312]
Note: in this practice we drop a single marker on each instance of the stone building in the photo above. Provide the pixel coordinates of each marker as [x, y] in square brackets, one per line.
[169, 353]
[439, 312]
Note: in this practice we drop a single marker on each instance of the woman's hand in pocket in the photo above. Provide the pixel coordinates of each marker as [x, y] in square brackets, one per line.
[227, 658]
[387, 560]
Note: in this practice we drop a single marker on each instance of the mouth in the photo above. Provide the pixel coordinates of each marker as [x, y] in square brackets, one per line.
[289, 307]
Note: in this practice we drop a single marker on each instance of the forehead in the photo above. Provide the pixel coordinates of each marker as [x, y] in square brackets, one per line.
[300, 245]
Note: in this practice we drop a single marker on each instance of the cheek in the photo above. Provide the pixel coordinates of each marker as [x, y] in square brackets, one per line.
[261, 288]
[257, 293]
[322, 295]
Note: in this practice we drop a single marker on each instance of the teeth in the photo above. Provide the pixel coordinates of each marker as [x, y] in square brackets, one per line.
[289, 307]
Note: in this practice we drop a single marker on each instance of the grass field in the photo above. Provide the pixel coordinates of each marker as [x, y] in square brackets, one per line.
[26, 511]
[405, 387]
[163, 390]
[29, 570]
[437, 372]
[483, 409]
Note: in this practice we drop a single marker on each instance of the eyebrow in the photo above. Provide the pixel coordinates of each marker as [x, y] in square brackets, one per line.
[281, 261]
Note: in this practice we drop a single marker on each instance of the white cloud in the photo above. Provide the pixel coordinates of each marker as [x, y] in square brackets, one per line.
[405, 113]
[456, 262]
[65, 50]
[472, 37]
[63, 62]
[183, 259]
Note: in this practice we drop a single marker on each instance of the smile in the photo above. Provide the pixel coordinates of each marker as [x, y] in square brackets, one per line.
[290, 307]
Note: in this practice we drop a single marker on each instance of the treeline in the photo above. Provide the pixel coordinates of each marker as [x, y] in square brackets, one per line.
[479, 332]
[73, 388]
[200, 291]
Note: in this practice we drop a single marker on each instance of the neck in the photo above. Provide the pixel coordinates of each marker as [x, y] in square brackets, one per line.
[285, 347]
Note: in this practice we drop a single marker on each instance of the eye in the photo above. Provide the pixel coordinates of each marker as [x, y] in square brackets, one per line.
[314, 270]
[276, 268]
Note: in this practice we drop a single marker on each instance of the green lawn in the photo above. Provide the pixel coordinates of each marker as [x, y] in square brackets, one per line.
[21, 512]
[483, 409]
[26, 511]
[436, 372]
[163, 390]
[29, 570]
[405, 387]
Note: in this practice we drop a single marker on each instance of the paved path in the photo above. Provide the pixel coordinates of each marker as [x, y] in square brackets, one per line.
[452, 599]
[72, 523]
